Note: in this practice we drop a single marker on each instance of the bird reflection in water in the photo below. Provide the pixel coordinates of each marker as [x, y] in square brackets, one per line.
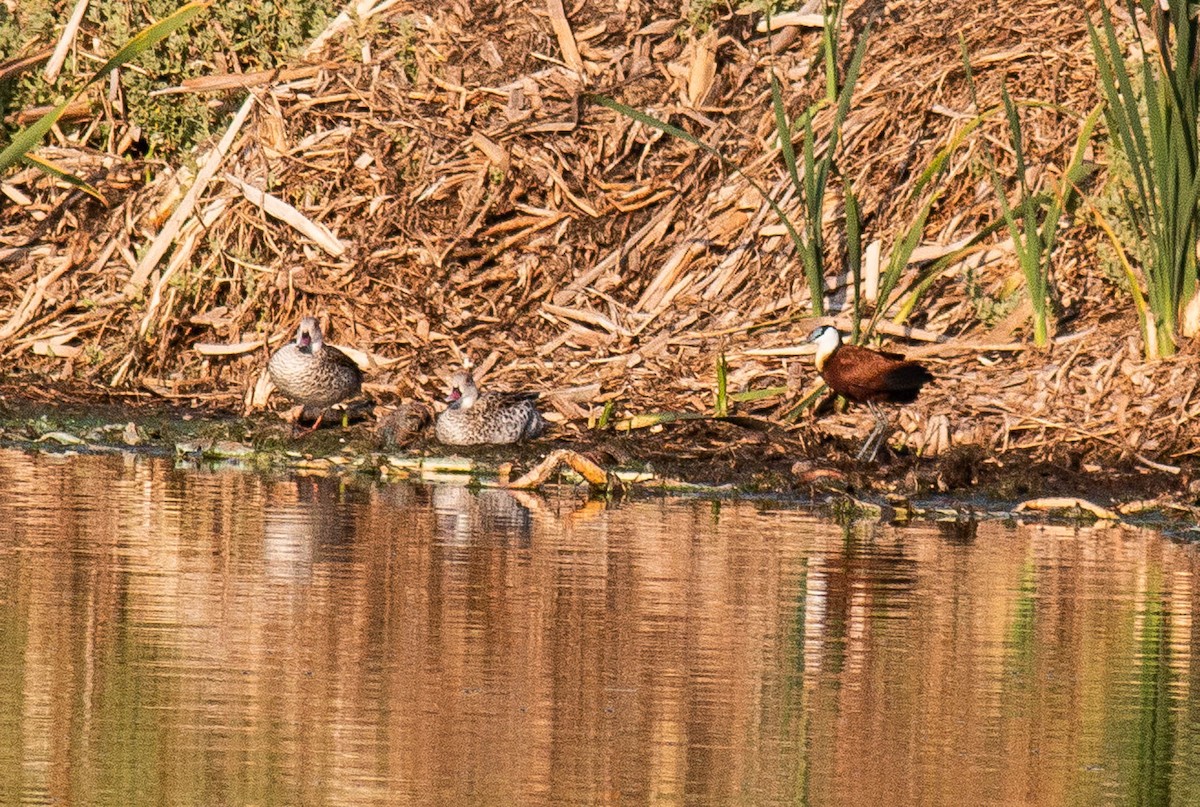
[308, 521]
[465, 516]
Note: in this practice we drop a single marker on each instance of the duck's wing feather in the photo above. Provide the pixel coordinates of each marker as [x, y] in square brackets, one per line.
[510, 398]
[338, 357]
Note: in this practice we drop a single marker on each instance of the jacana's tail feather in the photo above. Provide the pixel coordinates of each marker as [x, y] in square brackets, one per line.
[904, 381]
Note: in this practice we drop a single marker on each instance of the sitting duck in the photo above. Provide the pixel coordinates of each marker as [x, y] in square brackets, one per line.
[312, 373]
[475, 418]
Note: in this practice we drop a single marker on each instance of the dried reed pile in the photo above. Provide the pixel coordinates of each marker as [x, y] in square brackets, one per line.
[434, 179]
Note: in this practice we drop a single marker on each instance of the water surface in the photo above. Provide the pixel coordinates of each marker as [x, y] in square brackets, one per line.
[189, 637]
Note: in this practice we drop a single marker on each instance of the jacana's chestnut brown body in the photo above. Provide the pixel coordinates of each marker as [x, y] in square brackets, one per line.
[867, 376]
[863, 375]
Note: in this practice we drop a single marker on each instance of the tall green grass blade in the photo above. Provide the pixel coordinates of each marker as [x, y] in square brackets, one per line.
[831, 23]
[783, 130]
[814, 204]
[1014, 132]
[29, 137]
[854, 253]
[1026, 232]
[150, 36]
[901, 253]
[1131, 130]
[1078, 169]
[853, 70]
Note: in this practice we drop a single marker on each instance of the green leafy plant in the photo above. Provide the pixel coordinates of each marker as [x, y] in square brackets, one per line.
[1158, 134]
[926, 190]
[1063, 197]
[28, 138]
[1034, 233]
[810, 187]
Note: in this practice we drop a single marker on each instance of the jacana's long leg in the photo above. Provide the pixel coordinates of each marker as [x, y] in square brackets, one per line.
[878, 434]
[862, 452]
[885, 426]
[872, 441]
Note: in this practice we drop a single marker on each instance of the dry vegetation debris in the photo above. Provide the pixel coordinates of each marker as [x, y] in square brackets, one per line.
[434, 181]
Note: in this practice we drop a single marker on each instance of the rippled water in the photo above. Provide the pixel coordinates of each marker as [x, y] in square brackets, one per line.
[185, 637]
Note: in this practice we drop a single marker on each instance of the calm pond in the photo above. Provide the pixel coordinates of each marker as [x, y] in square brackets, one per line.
[220, 637]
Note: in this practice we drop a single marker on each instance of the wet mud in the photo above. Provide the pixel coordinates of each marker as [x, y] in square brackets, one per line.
[713, 458]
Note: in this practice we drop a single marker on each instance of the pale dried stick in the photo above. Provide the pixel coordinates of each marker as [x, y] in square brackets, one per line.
[274, 206]
[166, 236]
[1067, 503]
[65, 41]
[566, 39]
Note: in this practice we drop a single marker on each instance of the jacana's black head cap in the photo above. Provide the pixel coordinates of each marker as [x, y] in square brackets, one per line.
[815, 335]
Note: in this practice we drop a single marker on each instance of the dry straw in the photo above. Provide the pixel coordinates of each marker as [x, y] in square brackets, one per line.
[434, 181]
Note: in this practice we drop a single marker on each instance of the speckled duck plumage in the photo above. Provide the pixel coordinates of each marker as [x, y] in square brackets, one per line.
[491, 417]
[313, 373]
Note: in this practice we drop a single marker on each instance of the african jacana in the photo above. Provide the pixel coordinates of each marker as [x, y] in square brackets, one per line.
[867, 376]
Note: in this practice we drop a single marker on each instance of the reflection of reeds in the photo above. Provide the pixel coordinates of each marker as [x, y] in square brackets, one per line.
[461, 647]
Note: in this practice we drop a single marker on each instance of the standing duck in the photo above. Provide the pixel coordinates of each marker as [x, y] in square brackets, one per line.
[490, 417]
[312, 373]
[867, 376]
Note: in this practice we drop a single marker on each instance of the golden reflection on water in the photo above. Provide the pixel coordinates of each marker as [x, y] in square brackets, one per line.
[171, 636]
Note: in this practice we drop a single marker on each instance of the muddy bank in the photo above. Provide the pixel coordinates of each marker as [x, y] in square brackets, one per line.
[719, 458]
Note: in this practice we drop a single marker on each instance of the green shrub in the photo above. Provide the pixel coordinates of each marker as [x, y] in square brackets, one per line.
[236, 36]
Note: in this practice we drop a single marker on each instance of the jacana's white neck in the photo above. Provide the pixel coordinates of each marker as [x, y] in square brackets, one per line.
[826, 343]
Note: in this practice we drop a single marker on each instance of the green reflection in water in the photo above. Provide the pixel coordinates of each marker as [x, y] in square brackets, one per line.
[1155, 729]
